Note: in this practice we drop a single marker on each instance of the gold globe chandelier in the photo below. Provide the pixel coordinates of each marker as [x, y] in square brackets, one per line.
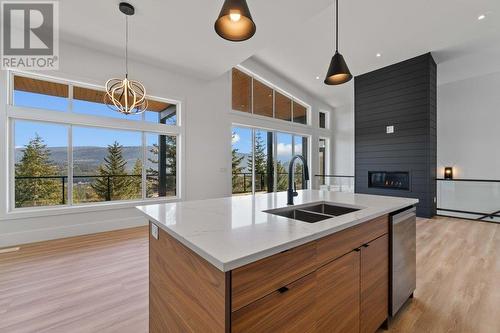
[124, 95]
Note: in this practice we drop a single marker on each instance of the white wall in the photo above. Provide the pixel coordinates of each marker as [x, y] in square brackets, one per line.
[343, 140]
[468, 127]
[207, 141]
[468, 140]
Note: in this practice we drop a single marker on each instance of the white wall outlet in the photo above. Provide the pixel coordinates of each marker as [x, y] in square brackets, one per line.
[389, 129]
[154, 230]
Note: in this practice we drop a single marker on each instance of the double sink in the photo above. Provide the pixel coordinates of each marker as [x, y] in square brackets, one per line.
[313, 212]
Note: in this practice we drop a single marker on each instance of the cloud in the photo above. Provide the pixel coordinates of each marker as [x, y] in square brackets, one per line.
[235, 138]
[284, 149]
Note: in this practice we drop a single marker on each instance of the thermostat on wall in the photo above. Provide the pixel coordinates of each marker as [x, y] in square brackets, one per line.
[389, 129]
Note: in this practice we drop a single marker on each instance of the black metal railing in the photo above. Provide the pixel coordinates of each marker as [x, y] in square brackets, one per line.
[87, 179]
[242, 182]
[481, 215]
[335, 180]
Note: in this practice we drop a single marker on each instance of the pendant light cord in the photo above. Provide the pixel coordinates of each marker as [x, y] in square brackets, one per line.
[126, 46]
[336, 25]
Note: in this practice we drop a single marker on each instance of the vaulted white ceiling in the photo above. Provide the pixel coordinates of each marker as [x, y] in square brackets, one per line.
[179, 34]
[398, 30]
[295, 37]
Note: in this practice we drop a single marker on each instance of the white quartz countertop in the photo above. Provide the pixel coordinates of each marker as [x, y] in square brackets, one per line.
[232, 232]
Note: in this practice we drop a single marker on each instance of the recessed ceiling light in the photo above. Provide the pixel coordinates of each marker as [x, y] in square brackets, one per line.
[378, 55]
[317, 77]
[481, 17]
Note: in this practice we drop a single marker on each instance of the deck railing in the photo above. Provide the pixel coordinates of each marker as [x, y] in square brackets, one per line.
[476, 199]
[242, 182]
[87, 179]
[336, 183]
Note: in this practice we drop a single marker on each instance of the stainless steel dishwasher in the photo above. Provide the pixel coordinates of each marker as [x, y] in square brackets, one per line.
[403, 258]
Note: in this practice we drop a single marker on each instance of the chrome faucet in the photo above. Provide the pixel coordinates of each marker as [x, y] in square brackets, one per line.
[292, 191]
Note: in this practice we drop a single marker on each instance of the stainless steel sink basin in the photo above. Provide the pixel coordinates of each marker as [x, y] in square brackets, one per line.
[328, 209]
[301, 215]
[313, 212]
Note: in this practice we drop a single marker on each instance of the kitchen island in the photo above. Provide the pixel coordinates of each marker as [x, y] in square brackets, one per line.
[234, 265]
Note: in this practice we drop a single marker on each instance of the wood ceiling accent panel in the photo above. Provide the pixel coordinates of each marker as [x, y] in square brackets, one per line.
[157, 106]
[241, 91]
[283, 106]
[89, 95]
[27, 84]
[299, 113]
[97, 96]
[262, 99]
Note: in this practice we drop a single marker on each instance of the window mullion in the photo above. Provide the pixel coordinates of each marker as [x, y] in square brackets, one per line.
[275, 161]
[253, 160]
[251, 95]
[12, 159]
[70, 97]
[70, 166]
[143, 175]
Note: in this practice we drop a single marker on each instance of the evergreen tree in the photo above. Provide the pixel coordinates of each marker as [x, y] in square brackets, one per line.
[170, 167]
[135, 187]
[282, 172]
[171, 164]
[112, 185]
[152, 173]
[260, 159]
[36, 162]
[236, 168]
[299, 169]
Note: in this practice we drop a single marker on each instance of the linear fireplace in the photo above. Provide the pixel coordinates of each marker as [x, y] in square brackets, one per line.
[399, 180]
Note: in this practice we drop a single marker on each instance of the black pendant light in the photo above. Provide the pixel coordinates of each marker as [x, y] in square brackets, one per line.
[235, 21]
[338, 72]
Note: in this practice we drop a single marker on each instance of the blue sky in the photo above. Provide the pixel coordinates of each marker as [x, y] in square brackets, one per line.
[242, 140]
[57, 135]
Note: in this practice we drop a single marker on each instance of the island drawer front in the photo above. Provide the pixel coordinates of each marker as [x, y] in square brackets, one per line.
[340, 243]
[258, 279]
[289, 310]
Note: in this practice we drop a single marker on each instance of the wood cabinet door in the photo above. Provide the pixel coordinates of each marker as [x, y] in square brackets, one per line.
[287, 310]
[337, 302]
[374, 284]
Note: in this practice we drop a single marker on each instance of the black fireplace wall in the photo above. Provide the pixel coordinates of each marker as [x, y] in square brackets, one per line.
[404, 96]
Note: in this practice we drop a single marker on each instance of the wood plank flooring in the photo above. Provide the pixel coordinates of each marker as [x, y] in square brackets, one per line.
[99, 283]
[95, 283]
[458, 279]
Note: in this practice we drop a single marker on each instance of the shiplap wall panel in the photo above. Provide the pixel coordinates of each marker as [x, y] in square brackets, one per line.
[403, 95]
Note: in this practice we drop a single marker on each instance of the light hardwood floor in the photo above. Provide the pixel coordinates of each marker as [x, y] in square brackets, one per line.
[99, 283]
[95, 283]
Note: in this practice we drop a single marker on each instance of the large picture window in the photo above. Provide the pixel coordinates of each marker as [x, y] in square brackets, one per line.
[85, 157]
[261, 159]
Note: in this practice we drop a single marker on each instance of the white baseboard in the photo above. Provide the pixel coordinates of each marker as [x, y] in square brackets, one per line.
[43, 234]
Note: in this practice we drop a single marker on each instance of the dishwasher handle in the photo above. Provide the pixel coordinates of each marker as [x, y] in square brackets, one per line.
[403, 216]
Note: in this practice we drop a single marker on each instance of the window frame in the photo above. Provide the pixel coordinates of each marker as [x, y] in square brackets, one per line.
[71, 119]
[327, 158]
[327, 120]
[275, 152]
[275, 89]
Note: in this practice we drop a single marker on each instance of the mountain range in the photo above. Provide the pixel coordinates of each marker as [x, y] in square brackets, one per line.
[87, 159]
